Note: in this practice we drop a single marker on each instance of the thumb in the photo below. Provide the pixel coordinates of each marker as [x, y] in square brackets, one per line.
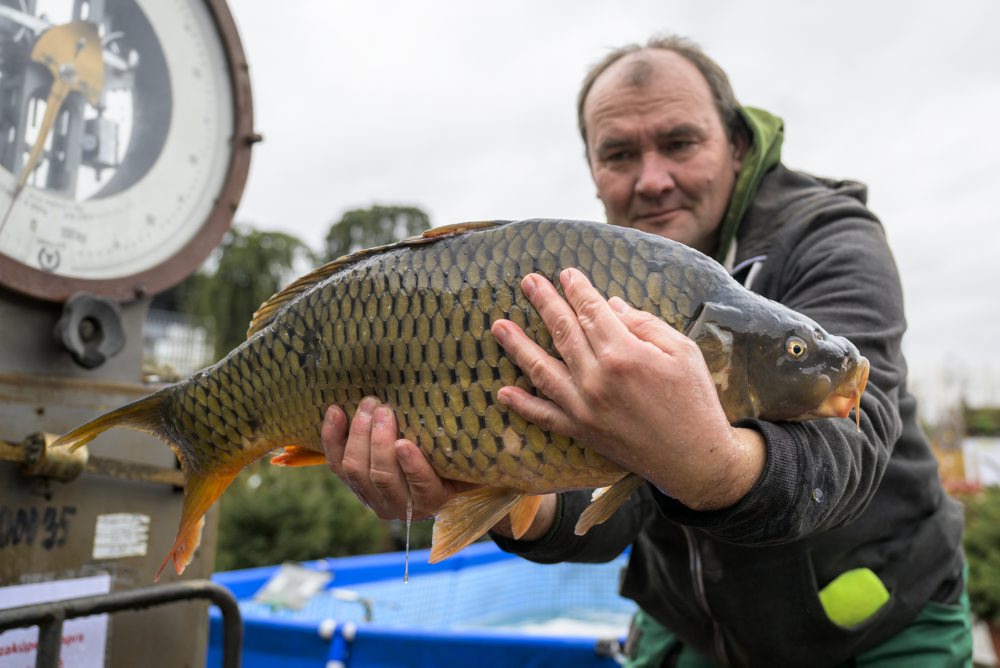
[646, 326]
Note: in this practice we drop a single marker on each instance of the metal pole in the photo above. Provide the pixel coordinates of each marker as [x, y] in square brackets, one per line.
[49, 617]
[49, 640]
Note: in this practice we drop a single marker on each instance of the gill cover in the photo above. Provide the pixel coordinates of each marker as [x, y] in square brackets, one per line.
[721, 333]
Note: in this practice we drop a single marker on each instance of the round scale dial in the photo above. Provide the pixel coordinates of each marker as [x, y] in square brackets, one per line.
[125, 128]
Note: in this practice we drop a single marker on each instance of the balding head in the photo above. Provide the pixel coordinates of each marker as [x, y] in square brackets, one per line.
[638, 71]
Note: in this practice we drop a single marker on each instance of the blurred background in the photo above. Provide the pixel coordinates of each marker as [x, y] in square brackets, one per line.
[467, 111]
[380, 120]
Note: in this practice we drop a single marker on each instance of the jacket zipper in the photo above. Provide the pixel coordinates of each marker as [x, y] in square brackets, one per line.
[694, 557]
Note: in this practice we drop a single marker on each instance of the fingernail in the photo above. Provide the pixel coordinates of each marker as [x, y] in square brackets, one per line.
[328, 417]
[500, 331]
[402, 452]
[367, 406]
[503, 398]
[618, 305]
[381, 416]
[528, 285]
[566, 276]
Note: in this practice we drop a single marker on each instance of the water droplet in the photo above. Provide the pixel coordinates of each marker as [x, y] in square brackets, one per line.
[406, 558]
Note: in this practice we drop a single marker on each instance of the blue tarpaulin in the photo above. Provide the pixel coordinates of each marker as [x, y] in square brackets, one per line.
[480, 608]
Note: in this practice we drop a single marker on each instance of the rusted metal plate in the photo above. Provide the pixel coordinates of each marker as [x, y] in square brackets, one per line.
[49, 530]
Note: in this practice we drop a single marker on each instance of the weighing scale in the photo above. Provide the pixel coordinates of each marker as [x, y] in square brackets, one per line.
[125, 136]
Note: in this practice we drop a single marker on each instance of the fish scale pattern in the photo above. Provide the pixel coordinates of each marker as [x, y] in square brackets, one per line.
[411, 325]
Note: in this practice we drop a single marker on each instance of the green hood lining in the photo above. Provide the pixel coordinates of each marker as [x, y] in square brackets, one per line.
[767, 133]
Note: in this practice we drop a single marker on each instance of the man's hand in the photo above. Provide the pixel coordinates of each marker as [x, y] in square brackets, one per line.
[382, 470]
[634, 389]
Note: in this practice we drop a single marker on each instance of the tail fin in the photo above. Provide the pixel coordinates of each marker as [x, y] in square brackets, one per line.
[146, 415]
[142, 415]
[203, 485]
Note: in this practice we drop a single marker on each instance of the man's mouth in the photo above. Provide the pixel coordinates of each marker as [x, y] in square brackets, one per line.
[656, 218]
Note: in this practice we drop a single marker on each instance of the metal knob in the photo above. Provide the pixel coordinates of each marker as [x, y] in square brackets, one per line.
[91, 329]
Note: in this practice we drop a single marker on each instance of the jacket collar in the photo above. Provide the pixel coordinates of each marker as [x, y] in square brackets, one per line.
[764, 153]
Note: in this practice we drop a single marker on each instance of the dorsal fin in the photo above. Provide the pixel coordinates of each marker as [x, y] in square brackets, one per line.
[263, 316]
[443, 231]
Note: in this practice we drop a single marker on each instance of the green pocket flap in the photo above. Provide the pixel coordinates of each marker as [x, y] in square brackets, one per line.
[853, 596]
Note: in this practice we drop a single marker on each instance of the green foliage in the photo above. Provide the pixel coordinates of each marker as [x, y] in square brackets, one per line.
[250, 266]
[270, 515]
[379, 225]
[981, 421]
[982, 550]
[420, 534]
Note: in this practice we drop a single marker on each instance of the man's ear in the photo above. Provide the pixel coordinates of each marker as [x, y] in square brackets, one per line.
[741, 146]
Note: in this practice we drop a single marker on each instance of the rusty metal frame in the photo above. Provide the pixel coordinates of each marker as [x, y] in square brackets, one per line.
[49, 617]
[52, 287]
[33, 454]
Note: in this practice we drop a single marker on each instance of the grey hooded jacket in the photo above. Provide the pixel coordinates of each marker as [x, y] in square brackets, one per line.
[741, 584]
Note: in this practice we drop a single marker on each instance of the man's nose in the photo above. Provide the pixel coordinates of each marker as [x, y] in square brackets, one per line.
[655, 176]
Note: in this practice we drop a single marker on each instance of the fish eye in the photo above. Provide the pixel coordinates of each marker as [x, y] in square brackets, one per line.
[795, 347]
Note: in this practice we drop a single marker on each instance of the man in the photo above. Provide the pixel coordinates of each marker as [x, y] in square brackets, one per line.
[770, 544]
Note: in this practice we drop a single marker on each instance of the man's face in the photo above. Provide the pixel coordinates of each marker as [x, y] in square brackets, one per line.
[657, 148]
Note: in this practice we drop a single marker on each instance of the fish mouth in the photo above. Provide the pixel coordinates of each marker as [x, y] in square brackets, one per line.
[847, 396]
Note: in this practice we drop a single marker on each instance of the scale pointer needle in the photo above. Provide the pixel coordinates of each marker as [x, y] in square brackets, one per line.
[73, 54]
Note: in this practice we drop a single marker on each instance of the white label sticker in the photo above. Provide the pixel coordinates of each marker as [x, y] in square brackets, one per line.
[83, 640]
[121, 535]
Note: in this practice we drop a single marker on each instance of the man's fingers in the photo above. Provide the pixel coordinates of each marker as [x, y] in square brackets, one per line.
[648, 327]
[383, 471]
[562, 323]
[597, 322]
[356, 463]
[427, 489]
[536, 410]
[333, 436]
[385, 474]
[549, 375]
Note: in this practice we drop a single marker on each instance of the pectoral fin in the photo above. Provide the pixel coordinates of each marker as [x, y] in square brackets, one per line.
[466, 517]
[523, 514]
[296, 455]
[606, 501]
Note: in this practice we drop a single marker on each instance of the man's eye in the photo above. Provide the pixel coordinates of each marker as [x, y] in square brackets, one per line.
[679, 145]
[617, 156]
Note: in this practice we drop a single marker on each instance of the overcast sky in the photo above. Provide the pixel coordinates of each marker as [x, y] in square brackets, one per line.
[467, 110]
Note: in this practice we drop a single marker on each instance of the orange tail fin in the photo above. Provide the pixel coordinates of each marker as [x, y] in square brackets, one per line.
[199, 495]
[201, 489]
[142, 415]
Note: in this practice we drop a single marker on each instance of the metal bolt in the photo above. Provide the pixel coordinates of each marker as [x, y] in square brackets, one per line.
[89, 330]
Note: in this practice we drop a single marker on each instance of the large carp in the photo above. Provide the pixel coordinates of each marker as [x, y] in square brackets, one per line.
[410, 324]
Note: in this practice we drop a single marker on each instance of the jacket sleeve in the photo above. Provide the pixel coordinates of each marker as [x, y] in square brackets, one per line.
[602, 543]
[838, 270]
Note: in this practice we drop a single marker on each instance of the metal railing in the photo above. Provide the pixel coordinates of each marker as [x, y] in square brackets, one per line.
[49, 617]
[176, 342]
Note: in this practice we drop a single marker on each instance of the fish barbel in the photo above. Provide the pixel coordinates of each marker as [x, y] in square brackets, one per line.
[409, 323]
